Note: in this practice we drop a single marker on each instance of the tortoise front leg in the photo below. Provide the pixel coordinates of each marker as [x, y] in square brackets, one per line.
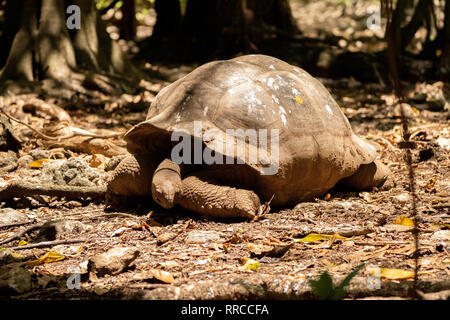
[166, 183]
[202, 192]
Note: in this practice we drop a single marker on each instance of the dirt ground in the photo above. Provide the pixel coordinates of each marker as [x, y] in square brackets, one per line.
[183, 255]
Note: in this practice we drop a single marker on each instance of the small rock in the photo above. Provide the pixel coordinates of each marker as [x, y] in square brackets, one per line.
[433, 95]
[8, 161]
[73, 204]
[118, 232]
[406, 109]
[14, 279]
[57, 230]
[402, 197]
[72, 172]
[9, 215]
[165, 237]
[441, 235]
[113, 261]
[203, 236]
[24, 161]
[274, 251]
[38, 154]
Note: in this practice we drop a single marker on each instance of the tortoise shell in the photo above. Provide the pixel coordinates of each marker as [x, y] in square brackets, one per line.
[316, 146]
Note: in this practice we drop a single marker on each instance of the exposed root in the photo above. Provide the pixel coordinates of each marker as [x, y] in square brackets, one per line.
[277, 287]
[25, 189]
[73, 131]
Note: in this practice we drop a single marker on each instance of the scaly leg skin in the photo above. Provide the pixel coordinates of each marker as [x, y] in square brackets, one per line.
[133, 176]
[202, 193]
[166, 183]
[369, 175]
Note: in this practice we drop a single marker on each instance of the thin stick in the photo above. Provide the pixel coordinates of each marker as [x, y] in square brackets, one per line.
[393, 55]
[21, 234]
[16, 224]
[47, 244]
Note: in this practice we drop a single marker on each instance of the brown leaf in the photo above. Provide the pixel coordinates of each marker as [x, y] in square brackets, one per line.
[163, 276]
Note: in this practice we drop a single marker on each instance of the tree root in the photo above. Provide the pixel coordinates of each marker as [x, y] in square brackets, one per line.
[25, 189]
[278, 287]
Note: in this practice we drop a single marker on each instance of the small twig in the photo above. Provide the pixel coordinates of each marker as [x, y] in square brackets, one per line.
[47, 244]
[114, 214]
[16, 224]
[391, 243]
[21, 234]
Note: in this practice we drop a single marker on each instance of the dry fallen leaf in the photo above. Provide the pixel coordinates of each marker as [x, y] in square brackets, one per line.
[312, 237]
[38, 163]
[162, 275]
[431, 183]
[50, 256]
[404, 221]
[10, 179]
[250, 265]
[95, 161]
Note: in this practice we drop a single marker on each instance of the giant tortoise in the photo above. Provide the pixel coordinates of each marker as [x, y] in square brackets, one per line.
[233, 133]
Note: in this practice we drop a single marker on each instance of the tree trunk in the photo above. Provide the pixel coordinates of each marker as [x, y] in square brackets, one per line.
[44, 48]
[55, 53]
[422, 13]
[446, 29]
[168, 18]
[444, 44]
[212, 28]
[13, 16]
[128, 22]
[19, 62]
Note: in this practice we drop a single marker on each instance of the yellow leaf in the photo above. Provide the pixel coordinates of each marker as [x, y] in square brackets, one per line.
[162, 275]
[38, 163]
[391, 274]
[298, 99]
[81, 248]
[404, 221]
[312, 237]
[250, 265]
[22, 243]
[431, 183]
[50, 256]
[17, 255]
